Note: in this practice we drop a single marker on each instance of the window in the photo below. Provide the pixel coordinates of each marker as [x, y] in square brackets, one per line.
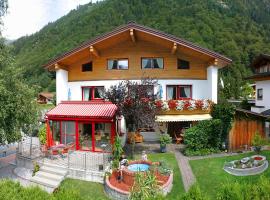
[179, 92]
[92, 92]
[87, 67]
[117, 64]
[152, 63]
[259, 94]
[182, 64]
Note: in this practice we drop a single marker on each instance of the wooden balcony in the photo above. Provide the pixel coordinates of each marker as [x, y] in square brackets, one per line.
[184, 107]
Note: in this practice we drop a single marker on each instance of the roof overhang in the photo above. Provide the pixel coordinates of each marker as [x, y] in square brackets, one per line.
[253, 114]
[217, 58]
[259, 76]
[182, 118]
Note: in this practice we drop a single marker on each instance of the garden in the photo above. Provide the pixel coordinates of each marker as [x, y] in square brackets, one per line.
[214, 181]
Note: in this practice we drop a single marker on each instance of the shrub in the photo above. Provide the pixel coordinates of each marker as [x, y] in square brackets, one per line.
[42, 134]
[117, 152]
[165, 139]
[241, 191]
[36, 169]
[194, 193]
[257, 142]
[225, 112]
[204, 138]
[145, 187]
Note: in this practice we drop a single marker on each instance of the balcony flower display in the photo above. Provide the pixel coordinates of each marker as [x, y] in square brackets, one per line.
[184, 104]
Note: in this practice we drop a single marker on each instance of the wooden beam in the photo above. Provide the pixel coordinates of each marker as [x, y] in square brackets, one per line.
[58, 66]
[216, 62]
[174, 48]
[132, 35]
[94, 51]
[213, 62]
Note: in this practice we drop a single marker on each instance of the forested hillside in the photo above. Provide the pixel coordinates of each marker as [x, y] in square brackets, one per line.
[239, 29]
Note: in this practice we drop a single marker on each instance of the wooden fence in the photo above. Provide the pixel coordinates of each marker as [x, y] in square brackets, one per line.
[243, 131]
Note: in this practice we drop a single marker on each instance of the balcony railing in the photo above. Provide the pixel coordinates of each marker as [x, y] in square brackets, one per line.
[184, 106]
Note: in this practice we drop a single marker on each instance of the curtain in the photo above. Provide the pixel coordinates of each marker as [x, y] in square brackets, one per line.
[99, 92]
[171, 92]
[112, 64]
[146, 63]
[159, 62]
[86, 94]
[185, 92]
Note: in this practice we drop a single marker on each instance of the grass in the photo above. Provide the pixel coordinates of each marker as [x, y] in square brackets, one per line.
[169, 158]
[87, 190]
[210, 175]
[45, 106]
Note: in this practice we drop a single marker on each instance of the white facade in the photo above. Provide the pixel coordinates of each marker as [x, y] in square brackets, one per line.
[61, 85]
[201, 89]
[264, 103]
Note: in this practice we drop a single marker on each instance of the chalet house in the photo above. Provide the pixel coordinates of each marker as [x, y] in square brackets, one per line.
[261, 66]
[185, 71]
[45, 98]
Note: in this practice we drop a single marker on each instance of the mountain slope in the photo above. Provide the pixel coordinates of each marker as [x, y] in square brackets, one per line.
[238, 29]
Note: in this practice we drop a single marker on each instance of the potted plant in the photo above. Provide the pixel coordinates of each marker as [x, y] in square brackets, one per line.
[257, 142]
[164, 140]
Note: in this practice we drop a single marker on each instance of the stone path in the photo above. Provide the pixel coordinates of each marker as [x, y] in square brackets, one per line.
[188, 177]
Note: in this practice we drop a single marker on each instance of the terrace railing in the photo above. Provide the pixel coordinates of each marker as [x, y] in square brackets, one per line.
[28, 148]
[89, 161]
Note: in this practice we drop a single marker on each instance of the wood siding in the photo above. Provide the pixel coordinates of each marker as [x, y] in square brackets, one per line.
[134, 52]
[243, 131]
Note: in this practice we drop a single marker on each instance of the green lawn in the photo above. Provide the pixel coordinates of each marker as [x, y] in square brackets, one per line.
[169, 158]
[210, 174]
[45, 106]
[89, 190]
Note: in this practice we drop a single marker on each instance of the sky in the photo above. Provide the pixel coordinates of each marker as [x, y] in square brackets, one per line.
[25, 17]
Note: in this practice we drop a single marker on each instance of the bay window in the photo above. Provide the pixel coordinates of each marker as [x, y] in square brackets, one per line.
[179, 92]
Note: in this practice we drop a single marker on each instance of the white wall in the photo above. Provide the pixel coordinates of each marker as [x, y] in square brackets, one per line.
[61, 85]
[201, 89]
[265, 85]
[212, 77]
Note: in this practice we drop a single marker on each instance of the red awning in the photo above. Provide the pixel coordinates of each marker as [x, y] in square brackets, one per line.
[73, 109]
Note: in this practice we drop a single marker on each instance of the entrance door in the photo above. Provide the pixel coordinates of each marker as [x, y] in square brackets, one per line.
[85, 134]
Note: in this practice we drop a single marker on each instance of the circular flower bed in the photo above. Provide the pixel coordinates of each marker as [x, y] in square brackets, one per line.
[120, 189]
[247, 166]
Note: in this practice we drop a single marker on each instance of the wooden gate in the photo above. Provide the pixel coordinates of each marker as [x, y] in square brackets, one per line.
[243, 131]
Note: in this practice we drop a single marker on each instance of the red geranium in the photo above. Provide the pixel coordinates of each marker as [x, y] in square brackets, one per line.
[172, 104]
[199, 104]
[187, 104]
[159, 104]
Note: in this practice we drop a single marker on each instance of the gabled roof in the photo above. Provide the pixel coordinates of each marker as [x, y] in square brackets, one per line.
[47, 95]
[260, 58]
[266, 113]
[144, 29]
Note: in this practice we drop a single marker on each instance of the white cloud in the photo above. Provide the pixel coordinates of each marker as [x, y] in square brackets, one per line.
[29, 16]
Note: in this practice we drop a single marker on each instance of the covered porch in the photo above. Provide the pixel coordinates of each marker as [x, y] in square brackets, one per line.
[84, 126]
